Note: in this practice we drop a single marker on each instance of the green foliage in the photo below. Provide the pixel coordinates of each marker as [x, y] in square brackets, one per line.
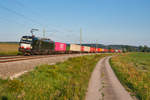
[144, 48]
[63, 81]
[133, 70]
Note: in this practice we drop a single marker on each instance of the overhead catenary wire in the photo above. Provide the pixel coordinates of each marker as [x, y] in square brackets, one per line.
[33, 21]
[19, 14]
[35, 12]
[28, 18]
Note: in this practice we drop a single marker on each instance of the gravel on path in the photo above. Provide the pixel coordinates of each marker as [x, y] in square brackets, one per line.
[104, 84]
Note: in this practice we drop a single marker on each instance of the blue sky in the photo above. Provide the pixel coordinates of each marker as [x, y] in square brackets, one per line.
[107, 21]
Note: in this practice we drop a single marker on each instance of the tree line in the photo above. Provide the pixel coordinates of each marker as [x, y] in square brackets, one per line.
[144, 48]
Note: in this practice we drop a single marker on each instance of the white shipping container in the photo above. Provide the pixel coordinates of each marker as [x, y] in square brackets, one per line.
[74, 47]
[116, 50]
[86, 49]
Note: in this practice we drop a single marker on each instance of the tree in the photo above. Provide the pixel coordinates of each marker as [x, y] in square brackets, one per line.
[145, 48]
[141, 48]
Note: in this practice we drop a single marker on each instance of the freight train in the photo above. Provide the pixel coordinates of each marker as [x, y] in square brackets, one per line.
[31, 45]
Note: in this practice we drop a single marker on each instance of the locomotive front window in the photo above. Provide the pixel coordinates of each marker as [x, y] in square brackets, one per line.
[26, 40]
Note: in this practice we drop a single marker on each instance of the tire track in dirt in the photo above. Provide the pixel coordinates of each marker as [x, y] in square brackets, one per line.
[104, 84]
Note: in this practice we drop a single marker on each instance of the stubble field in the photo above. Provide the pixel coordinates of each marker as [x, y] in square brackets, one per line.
[8, 48]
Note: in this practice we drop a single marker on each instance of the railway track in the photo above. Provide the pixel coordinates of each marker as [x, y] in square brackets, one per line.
[5, 59]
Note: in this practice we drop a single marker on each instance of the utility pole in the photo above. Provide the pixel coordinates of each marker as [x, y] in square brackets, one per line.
[80, 38]
[43, 32]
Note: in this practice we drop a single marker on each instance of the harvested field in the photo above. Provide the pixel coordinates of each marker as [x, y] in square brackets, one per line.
[8, 48]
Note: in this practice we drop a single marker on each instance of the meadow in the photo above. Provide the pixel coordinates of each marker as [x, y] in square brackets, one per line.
[8, 48]
[67, 80]
[133, 70]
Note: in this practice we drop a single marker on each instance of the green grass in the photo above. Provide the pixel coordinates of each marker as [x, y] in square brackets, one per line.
[64, 81]
[133, 70]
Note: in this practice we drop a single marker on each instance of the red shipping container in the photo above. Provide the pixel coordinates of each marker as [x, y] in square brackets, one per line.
[82, 48]
[105, 50]
[98, 50]
[119, 51]
[91, 49]
[112, 50]
[94, 49]
[60, 46]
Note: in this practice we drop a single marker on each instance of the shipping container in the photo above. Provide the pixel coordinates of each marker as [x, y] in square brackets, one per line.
[105, 50]
[60, 46]
[112, 50]
[120, 51]
[86, 49]
[75, 48]
[82, 48]
[98, 50]
[116, 51]
[101, 50]
[94, 49]
[68, 47]
[91, 49]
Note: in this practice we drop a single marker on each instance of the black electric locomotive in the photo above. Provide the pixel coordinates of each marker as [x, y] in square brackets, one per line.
[33, 45]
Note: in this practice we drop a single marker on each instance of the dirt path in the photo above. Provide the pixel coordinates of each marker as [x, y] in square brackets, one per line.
[104, 85]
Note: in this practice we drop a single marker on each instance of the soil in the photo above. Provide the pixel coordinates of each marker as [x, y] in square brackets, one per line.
[104, 84]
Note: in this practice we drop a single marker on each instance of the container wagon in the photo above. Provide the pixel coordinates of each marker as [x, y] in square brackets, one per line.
[74, 48]
[86, 49]
[60, 47]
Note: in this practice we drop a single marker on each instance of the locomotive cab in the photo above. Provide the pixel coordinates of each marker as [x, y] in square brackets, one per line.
[25, 45]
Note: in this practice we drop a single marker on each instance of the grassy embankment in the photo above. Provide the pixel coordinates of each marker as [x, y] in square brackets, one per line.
[133, 70]
[8, 48]
[64, 81]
